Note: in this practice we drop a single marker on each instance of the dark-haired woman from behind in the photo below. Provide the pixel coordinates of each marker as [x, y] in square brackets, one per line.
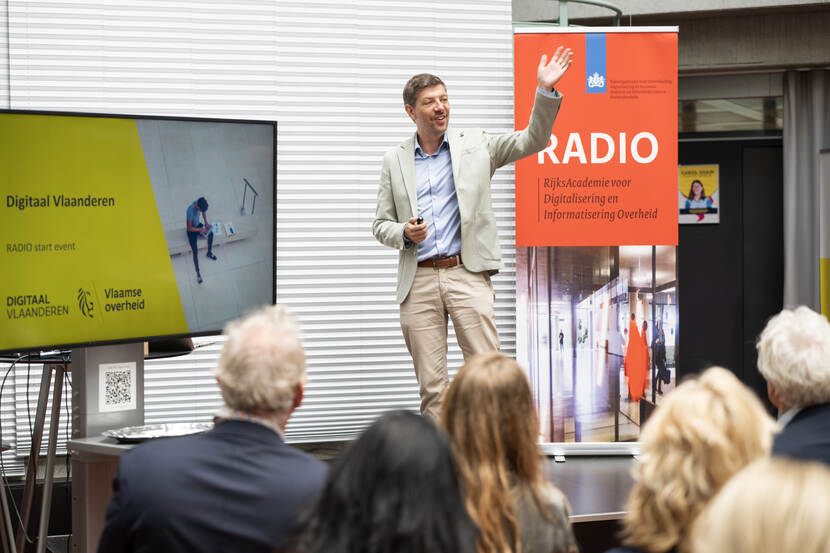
[395, 490]
[491, 419]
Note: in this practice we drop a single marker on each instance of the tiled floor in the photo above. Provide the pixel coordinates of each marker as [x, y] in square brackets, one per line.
[226, 291]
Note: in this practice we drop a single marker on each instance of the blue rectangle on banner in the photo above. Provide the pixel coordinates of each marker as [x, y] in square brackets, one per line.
[595, 63]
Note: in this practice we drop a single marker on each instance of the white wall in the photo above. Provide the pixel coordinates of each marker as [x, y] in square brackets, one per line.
[4, 56]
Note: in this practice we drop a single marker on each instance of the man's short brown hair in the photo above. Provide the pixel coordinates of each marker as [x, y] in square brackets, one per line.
[416, 84]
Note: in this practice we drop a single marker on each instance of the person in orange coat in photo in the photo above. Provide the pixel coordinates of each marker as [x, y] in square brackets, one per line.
[634, 361]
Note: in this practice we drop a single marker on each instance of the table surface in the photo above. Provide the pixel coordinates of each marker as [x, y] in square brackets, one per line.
[596, 487]
[99, 445]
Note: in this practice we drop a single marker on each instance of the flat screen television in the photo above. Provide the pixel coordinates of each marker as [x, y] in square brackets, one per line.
[122, 228]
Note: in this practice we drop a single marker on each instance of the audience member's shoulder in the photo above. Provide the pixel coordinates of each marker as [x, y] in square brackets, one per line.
[807, 436]
[156, 458]
[554, 505]
[313, 462]
[161, 448]
[555, 499]
[814, 413]
[308, 470]
[809, 423]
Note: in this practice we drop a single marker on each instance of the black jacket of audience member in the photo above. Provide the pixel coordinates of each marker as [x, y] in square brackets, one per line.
[234, 489]
[807, 436]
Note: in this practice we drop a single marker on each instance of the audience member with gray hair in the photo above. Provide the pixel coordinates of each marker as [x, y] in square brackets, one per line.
[794, 358]
[237, 487]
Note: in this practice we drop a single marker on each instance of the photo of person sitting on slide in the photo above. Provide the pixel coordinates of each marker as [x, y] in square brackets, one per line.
[195, 228]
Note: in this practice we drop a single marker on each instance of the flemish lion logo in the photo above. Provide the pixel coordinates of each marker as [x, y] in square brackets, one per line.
[85, 303]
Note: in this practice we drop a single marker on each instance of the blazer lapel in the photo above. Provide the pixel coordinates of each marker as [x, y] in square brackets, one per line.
[454, 138]
[406, 160]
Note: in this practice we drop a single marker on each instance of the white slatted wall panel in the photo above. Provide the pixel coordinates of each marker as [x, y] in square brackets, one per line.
[339, 111]
[4, 55]
[331, 73]
[7, 403]
[25, 399]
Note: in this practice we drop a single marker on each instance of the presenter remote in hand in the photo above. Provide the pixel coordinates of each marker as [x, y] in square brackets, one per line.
[445, 262]
[415, 230]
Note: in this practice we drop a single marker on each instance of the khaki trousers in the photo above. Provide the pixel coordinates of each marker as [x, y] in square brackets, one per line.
[437, 293]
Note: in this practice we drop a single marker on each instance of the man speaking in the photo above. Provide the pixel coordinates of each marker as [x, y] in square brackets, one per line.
[434, 206]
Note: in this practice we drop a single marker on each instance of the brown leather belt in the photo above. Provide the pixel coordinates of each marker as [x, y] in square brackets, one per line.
[441, 262]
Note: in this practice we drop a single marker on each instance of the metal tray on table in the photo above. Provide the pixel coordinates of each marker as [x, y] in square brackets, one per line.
[138, 434]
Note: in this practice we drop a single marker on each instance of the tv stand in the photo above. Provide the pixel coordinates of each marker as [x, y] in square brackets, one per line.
[58, 369]
[100, 390]
[107, 392]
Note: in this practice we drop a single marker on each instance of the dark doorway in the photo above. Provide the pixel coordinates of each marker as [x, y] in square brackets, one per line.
[730, 274]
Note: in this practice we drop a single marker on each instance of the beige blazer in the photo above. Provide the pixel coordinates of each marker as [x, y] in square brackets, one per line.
[475, 157]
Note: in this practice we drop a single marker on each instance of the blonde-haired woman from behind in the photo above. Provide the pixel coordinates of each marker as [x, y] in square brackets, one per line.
[704, 432]
[491, 420]
[772, 506]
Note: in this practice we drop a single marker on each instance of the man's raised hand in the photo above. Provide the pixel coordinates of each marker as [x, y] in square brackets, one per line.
[549, 73]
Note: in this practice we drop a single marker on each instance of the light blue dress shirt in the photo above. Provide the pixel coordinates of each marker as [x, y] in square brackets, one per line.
[437, 202]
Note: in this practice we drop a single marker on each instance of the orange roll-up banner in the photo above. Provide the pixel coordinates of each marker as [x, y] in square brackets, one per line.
[609, 175]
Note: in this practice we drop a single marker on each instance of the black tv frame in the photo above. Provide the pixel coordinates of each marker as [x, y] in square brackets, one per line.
[55, 349]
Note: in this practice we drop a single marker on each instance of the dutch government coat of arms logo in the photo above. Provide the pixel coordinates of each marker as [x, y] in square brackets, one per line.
[596, 80]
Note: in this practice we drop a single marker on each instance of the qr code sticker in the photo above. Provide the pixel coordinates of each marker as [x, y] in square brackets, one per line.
[116, 387]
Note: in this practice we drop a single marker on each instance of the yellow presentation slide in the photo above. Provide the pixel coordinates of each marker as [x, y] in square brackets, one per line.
[95, 238]
[84, 255]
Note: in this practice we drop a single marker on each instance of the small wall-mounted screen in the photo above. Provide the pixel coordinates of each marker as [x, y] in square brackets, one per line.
[117, 228]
